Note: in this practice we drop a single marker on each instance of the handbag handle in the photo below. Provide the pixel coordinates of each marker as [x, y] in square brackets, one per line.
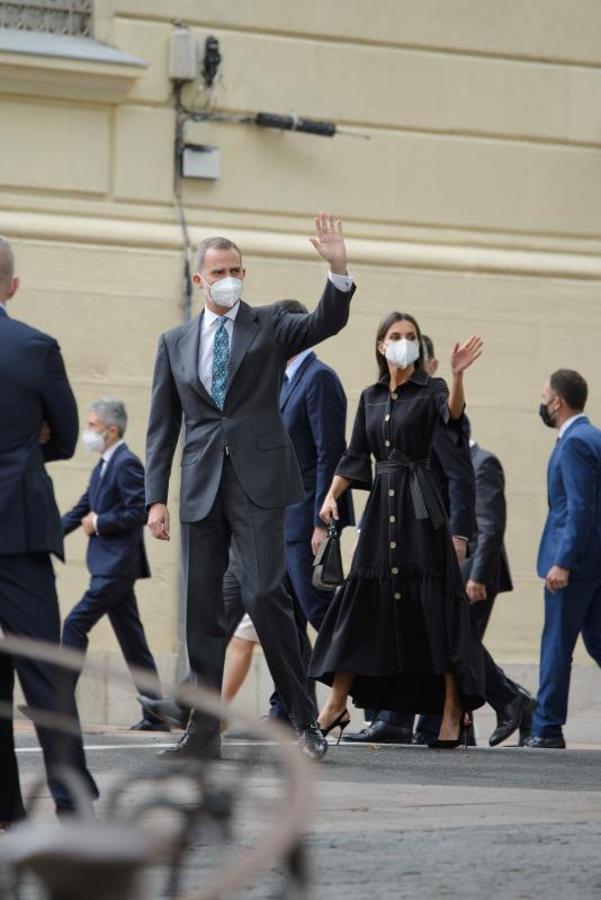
[332, 530]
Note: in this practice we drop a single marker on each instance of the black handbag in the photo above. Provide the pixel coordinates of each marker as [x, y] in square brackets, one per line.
[327, 565]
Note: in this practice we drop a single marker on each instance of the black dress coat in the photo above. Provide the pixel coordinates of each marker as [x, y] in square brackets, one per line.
[401, 620]
[487, 562]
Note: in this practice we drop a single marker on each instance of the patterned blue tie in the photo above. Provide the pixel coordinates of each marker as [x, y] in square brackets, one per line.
[221, 358]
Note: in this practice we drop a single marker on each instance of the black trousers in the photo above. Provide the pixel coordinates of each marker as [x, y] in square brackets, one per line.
[500, 689]
[234, 610]
[29, 608]
[11, 802]
[115, 598]
[256, 536]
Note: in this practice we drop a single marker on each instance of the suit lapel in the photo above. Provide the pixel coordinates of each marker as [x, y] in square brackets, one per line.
[297, 378]
[102, 482]
[94, 483]
[559, 443]
[189, 344]
[246, 328]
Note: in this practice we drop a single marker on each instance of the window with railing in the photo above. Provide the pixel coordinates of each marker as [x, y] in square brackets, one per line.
[70, 17]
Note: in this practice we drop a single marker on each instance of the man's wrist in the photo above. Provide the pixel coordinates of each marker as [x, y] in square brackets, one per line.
[341, 280]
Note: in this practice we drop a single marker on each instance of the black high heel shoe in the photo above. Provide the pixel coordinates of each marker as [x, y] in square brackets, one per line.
[464, 724]
[341, 722]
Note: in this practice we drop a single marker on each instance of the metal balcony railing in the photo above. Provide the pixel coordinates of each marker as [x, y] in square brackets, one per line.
[67, 17]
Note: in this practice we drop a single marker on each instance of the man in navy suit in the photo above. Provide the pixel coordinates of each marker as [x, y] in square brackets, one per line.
[569, 556]
[112, 513]
[39, 425]
[313, 407]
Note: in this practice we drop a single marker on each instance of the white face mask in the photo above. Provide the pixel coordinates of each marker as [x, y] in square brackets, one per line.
[402, 353]
[226, 292]
[93, 441]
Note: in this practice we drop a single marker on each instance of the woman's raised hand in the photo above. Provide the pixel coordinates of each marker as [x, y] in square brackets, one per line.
[329, 510]
[463, 356]
[329, 242]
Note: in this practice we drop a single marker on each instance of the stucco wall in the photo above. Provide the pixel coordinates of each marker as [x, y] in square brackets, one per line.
[475, 204]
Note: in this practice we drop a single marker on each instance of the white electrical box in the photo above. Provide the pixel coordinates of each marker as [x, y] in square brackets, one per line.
[183, 55]
[201, 161]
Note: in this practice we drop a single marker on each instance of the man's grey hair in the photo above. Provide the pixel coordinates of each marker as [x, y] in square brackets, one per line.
[111, 411]
[214, 243]
[7, 264]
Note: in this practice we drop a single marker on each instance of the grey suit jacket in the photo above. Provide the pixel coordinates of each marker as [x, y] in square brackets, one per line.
[249, 428]
[487, 562]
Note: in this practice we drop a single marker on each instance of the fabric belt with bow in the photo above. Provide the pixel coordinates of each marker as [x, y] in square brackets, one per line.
[426, 503]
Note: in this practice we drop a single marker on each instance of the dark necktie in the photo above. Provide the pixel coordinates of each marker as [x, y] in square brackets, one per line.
[284, 389]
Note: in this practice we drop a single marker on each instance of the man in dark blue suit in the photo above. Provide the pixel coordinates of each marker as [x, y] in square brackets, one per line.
[39, 425]
[569, 556]
[313, 407]
[112, 513]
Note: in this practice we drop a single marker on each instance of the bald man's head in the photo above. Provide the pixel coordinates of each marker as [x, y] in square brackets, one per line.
[8, 282]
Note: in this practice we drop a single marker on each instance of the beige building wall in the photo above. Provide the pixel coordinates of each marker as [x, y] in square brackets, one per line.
[475, 203]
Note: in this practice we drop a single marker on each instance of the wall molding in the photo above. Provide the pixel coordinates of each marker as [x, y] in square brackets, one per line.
[129, 234]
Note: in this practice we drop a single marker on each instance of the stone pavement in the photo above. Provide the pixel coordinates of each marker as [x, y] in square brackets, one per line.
[407, 822]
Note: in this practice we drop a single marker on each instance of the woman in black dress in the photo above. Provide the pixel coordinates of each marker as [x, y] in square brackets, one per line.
[398, 634]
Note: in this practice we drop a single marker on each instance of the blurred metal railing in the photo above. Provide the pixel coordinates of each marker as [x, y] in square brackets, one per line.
[70, 17]
[165, 815]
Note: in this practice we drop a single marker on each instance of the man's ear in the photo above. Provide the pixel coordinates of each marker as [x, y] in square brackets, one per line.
[197, 279]
[14, 287]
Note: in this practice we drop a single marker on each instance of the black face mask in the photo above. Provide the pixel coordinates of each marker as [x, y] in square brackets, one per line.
[545, 415]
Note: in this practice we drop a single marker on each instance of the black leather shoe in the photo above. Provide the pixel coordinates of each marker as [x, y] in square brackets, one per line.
[543, 743]
[147, 724]
[166, 710]
[312, 742]
[380, 733]
[192, 746]
[517, 714]
[526, 725]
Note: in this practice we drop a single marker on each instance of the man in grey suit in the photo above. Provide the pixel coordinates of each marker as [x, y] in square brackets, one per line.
[222, 372]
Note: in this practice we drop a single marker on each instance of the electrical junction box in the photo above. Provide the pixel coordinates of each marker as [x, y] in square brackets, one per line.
[201, 161]
[183, 55]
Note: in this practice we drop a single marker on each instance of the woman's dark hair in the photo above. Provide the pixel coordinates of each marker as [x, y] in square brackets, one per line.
[571, 387]
[383, 328]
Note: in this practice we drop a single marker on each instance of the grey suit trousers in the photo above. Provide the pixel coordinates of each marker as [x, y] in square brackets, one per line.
[257, 538]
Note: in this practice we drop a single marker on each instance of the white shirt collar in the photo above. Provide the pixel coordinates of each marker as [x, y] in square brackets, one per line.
[3, 305]
[109, 452]
[209, 316]
[295, 364]
[563, 428]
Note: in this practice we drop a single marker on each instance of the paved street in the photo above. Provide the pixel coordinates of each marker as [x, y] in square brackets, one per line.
[402, 821]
